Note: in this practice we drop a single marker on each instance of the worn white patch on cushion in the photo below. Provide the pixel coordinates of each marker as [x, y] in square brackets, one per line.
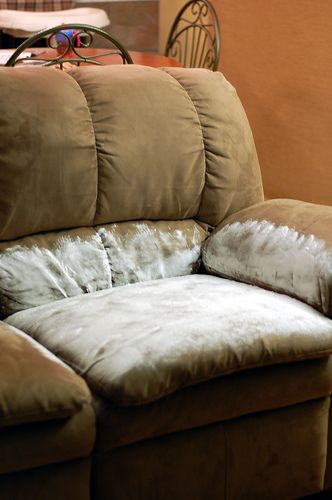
[147, 253]
[30, 277]
[137, 343]
[276, 257]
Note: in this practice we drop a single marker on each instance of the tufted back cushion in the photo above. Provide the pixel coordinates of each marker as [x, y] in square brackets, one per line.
[43, 268]
[121, 143]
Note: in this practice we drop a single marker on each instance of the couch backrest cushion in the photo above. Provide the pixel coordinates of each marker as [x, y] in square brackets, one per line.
[48, 167]
[39, 269]
[120, 143]
[149, 144]
[149, 250]
[43, 268]
[232, 173]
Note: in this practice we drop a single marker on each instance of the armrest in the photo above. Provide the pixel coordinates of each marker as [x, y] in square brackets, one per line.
[35, 385]
[281, 245]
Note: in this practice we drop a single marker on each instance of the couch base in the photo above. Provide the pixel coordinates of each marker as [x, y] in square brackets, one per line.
[277, 454]
[52, 482]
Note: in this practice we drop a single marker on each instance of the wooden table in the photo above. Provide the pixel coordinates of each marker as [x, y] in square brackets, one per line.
[144, 58]
[153, 59]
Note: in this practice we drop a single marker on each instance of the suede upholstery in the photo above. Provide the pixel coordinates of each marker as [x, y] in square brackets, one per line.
[70, 479]
[203, 387]
[225, 398]
[45, 443]
[50, 391]
[97, 150]
[132, 351]
[283, 245]
[271, 455]
[59, 264]
[48, 170]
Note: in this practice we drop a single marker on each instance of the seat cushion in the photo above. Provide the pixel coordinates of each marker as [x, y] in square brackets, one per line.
[225, 398]
[135, 344]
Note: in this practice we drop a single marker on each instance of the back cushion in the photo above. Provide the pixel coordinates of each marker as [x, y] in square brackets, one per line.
[40, 269]
[48, 167]
[149, 144]
[141, 251]
[114, 144]
[120, 143]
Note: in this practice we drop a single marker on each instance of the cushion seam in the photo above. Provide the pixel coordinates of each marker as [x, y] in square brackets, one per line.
[292, 359]
[203, 137]
[95, 142]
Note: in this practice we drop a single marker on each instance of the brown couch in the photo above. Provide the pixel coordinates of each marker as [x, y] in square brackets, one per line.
[165, 332]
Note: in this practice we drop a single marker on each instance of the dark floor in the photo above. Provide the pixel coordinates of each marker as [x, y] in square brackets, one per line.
[325, 495]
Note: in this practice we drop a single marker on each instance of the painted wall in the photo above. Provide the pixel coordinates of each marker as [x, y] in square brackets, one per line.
[278, 54]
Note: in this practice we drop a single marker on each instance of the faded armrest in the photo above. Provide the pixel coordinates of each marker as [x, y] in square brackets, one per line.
[34, 385]
[281, 245]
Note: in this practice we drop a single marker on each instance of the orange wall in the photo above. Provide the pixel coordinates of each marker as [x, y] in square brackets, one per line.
[278, 54]
[167, 13]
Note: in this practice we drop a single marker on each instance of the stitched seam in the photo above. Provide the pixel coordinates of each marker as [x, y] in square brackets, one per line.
[202, 133]
[217, 373]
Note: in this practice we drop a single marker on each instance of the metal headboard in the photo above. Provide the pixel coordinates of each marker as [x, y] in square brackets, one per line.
[71, 38]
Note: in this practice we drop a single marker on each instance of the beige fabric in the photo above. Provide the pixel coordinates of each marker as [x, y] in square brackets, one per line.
[39, 269]
[35, 384]
[185, 465]
[48, 173]
[279, 454]
[139, 342]
[220, 399]
[328, 471]
[232, 176]
[33, 445]
[283, 245]
[149, 144]
[43, 443]
[120, 143]
[67, 480]
[147, 250]
[272, 455]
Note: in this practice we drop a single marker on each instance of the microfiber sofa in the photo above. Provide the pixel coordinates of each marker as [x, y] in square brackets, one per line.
[165, 332]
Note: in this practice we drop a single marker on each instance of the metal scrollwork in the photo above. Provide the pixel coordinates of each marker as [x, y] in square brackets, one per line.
[69, 42]
[194, 39]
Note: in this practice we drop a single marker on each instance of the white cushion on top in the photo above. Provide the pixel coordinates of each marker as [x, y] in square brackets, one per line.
[137, 343]
[32, 22]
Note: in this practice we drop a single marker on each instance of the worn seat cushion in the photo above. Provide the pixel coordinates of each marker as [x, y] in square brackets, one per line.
[35, 385]
[137, 343]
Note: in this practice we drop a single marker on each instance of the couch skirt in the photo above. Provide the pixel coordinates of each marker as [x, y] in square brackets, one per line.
[66, 480]
[277, 454]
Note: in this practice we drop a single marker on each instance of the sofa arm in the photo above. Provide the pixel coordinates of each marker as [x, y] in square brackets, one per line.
[35, 385]
[281, 245]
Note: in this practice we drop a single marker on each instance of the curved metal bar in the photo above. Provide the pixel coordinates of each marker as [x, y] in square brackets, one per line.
[84, 30]
[195, 51]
